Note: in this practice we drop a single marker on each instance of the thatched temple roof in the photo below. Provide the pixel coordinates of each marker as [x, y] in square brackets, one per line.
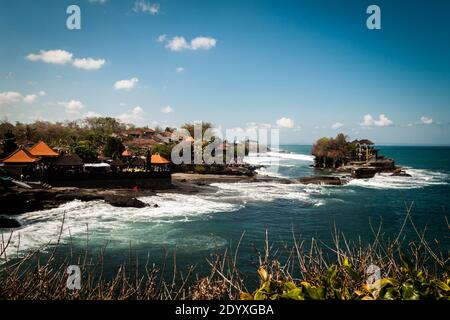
[72, 160]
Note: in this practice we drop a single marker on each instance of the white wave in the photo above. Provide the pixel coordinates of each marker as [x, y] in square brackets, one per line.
[274, 158]
[293, 156]
[102, 222]
[270, 171]
[267, 192]
[419, 178]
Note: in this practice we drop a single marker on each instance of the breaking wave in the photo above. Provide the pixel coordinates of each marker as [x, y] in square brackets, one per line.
[419, 178]
[102, 222]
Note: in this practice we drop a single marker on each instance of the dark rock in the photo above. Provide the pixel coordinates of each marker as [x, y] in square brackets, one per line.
[321, 180]
[17, 202]
[70, 196]
[364, 172]
[125, 201]
[6, 223]
[401, 174]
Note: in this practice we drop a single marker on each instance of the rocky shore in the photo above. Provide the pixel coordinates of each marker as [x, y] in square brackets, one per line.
[16, 201]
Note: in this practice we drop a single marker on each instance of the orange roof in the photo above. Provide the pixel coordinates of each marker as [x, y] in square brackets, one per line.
[157, 159]
[127, 153]
[21, 156]
[41, 149]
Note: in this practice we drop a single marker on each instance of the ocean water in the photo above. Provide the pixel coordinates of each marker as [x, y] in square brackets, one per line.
[197, 225]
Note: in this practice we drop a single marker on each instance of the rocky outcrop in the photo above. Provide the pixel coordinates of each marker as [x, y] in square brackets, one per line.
[364, 172]
[125, 201]
[321, 180]
[400, 173]
[16, 202]
[8, 223]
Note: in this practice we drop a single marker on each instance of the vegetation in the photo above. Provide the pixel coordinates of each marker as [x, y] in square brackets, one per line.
[190, 127]
[88, 138]
[408, 271]
[165, 150]
[9, 145]
[85, 149]
[331, 152]
[345, 283]
[113, 147]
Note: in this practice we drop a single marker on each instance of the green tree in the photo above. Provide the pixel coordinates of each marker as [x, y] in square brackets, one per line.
[9, 144]
[85, 150]
[113, 147]
[190, 127]
[164, 150]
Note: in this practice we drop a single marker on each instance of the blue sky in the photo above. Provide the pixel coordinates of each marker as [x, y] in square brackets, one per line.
[311, 68]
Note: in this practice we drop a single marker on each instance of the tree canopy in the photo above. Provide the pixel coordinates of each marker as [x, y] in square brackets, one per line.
[334, 148]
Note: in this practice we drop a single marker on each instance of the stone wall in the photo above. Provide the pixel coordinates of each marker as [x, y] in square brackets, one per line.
[123, 180]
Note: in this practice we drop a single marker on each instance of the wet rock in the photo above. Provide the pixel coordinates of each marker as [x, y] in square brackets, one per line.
[125, 201]
[7, 223]
[78, 196]
[401, 174]
[321, 180]
[364, 172]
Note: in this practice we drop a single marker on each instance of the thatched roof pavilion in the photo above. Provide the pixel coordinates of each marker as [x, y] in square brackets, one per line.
[127, 153]
[21, 156]
[41, 149]
[72, 160]
[159, 160]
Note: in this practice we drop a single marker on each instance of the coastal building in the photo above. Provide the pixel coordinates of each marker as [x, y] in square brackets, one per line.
[68, 163]
[159, 163]
[42, 150]
[364, 150]
[127, 153]
[20, 163]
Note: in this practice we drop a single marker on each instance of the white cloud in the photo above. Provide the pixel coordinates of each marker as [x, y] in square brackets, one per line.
[11, 97]
[203, 43]
[42, 93]
[146, 7]
[30, 98]
[337, 125]
[167, 109]
[63, 57]
[98, 1]
[382, 121]
[285, 123]
[126, 84]
[135, 116]
[72, 106]
[92, 114]
[51, 56]
[88, 63]
[161, 38]
[179, 69]
[179, 43]
[426, 120]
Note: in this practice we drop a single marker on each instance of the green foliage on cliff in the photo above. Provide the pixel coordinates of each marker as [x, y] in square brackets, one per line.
[333, 147]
